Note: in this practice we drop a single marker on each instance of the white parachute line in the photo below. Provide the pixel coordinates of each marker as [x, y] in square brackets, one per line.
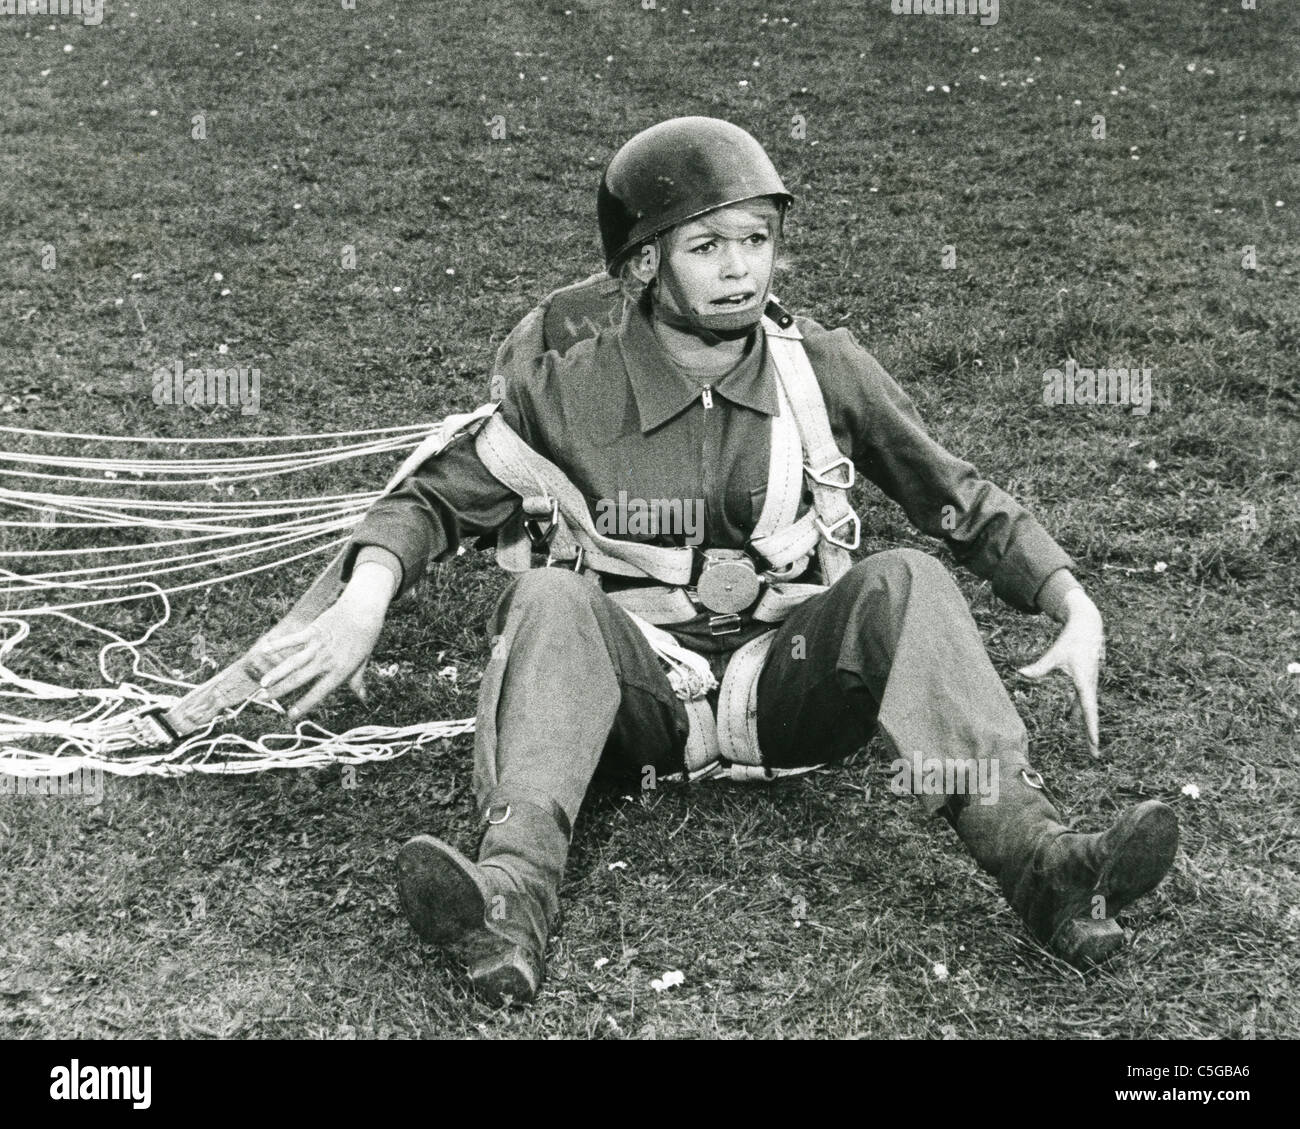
[300, 749]
[223, 532]
[223, 480]
[47, 610]
[224, 474]
[177, 524]
[366, 745]
[149, 440]
[45, 689]
[143, 546]
[116, 474]
[362, 745]
[210, 524]
[216, 555]
[132, 645]
[141, 467]
[109, 720]
[35, 689]
[24, 586]
[37, 499]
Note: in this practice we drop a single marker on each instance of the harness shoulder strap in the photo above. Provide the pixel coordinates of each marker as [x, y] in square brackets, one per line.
[437, 440]
[784, 542]
[830, 472]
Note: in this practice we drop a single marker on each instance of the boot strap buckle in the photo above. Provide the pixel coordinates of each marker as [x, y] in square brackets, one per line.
[498, 822]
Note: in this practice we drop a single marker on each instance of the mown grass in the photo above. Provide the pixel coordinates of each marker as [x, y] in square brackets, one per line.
[265, 907]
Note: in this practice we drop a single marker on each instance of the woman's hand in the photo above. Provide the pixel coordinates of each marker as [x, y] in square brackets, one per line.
[1079, 650]
[333, 648]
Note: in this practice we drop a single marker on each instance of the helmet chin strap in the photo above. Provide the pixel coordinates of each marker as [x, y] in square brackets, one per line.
[711, 328]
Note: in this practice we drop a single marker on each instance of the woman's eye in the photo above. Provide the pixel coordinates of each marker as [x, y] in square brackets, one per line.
[703, 247]
[758, 238]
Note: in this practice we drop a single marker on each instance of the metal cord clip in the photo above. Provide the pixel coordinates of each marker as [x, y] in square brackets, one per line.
[540, 530]
[574, 562]
[823, 477]
[829, 532]
[150, 727]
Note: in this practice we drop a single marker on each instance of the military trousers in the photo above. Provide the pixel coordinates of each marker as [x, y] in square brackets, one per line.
[573, 687]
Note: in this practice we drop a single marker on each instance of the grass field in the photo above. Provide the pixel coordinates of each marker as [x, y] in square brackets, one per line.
[812, 908]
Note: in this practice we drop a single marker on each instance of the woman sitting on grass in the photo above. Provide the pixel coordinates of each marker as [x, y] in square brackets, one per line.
[693, 398]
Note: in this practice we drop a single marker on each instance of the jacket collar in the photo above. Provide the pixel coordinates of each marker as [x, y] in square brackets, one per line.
[663, 390]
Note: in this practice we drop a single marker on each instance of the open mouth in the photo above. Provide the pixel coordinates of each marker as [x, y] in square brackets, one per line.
[734, 299]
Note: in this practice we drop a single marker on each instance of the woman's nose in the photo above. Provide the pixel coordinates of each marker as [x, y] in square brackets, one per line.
[733, 261]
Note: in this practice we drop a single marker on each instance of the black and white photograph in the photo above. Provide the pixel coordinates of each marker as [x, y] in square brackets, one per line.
[607, 520]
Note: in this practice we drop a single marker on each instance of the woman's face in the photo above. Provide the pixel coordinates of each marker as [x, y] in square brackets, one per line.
[721, 263]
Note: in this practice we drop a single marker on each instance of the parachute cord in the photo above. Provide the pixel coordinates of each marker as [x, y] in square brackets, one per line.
[110, 728]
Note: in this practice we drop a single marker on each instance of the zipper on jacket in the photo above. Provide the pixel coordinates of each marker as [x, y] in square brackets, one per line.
[706, 463]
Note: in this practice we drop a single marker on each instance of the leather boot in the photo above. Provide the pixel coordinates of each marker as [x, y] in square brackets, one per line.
[495, 915]
[1066, 885]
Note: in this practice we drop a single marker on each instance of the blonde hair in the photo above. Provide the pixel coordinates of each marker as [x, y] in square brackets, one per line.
[731, 221]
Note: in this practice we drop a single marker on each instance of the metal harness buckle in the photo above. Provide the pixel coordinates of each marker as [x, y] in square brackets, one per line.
[539, 537]
[823, 476]
[150, 727]
[727, 624]
[575, 562]
[829, 531]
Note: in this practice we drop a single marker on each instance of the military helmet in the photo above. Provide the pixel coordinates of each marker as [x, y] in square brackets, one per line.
[675, 171]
